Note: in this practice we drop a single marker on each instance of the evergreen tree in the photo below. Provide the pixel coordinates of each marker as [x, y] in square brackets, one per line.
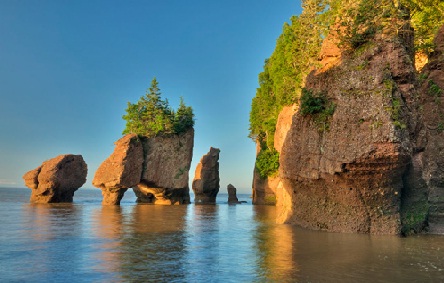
[152, 116]
[183, 118]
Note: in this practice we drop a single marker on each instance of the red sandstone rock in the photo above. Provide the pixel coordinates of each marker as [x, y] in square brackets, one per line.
[166, 169]
[206, 178]
[156, 168]
[56, 179]
[348, 174]
[122, 170]
[429, 159]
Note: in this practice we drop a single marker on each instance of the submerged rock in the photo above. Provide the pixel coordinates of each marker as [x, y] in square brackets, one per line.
[206, 178]
[56, 179]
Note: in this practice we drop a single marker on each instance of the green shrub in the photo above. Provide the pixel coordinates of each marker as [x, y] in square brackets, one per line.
[311, 103]
[267, 162]
[317, 106]
[434, 89]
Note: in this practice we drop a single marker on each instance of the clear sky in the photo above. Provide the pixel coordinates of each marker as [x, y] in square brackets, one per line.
[68, 69]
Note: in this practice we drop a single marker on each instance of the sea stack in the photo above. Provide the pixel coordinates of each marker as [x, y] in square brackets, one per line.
[165, 175]
[56, 179]
[156, 168]
[122, 169]
[232, 198]
[206, 178]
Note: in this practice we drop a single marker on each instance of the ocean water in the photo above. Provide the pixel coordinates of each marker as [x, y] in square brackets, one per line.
[85, 242]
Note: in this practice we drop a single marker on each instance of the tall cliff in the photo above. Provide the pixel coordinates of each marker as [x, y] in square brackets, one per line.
[373, 165]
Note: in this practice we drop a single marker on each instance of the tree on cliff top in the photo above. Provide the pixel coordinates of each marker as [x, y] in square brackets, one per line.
[152, 116]
[297, 49]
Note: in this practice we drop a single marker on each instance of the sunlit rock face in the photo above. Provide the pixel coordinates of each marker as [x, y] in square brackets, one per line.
[206, 178]
[374, 165]
[121, 170]
[56, 179]
[165, 175]
[156, 168]
[265, 189]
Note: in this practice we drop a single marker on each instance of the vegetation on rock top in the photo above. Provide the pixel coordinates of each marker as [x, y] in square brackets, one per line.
[152, 116]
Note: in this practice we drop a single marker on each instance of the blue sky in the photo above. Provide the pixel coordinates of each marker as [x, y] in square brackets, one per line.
[68, 69]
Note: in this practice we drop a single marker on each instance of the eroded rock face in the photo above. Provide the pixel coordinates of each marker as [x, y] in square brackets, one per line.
[346, 174]
[166, 169]
[121, 170]
[428, 164]
[232, 197]
[156, 168]
[56, 179]
[206, 178]
[264, 190]
[146, 193]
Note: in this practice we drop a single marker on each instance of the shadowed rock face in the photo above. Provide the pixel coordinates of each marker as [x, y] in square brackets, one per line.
[121, 170]
[206, 178]
[232, 197]
[56, 179]
[428, 165]
[156, 168]
[165, 175]
[374, 165]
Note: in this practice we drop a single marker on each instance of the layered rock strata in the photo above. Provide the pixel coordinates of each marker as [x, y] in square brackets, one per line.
[374, 165]
[206, 178]
[56, 179]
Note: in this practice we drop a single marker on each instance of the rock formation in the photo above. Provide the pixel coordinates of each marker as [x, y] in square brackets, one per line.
[428, 160]
[56, 179]
[156, 168]
[232, 197]
[264, 190]
[375, 165]
[166, 169]
[120, 171]
[206, 178]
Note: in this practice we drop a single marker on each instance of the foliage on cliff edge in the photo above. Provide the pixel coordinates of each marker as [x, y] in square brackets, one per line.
[298, 47]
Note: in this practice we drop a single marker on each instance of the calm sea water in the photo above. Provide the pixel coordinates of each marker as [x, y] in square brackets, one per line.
[85, 242]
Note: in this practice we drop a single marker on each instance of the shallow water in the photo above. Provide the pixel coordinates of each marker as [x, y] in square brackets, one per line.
[85, 242]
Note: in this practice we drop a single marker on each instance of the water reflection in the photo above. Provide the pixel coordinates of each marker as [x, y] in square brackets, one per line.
[276, 245]
[153, 243]
[202, 250]
[289, 254]
[107, 225]
[204, 243]
[53, 241]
